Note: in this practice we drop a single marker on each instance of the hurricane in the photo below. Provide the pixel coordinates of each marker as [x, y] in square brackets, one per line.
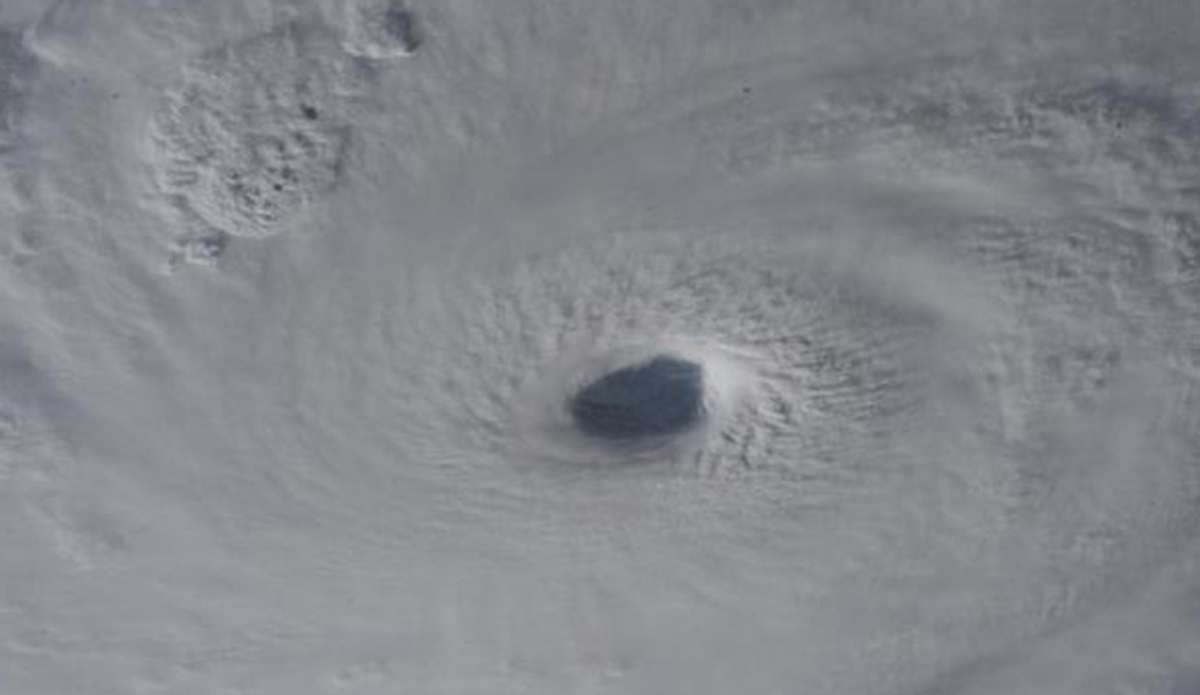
[599, 347]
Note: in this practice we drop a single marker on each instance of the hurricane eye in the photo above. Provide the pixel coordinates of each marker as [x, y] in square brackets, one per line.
[660, 397]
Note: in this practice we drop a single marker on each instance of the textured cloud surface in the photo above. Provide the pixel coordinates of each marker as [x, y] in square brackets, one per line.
[599, 347]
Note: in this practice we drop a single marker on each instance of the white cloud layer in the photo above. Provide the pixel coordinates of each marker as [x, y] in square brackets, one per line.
[289, 329]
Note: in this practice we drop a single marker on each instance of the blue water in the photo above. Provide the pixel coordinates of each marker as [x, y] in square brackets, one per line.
[659, 397]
